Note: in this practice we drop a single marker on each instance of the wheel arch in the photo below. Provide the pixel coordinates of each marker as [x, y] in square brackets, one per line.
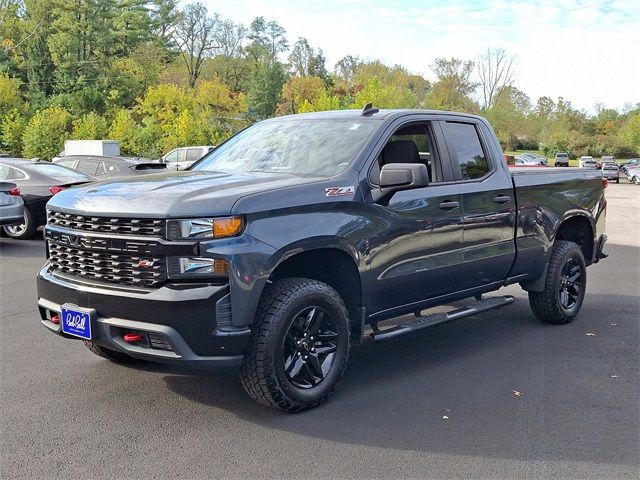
[577, 227]
[332, 265]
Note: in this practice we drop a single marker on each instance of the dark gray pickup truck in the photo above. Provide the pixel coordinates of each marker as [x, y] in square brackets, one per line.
[300, 234]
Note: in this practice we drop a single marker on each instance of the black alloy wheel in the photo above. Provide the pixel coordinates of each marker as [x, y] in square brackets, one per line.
[310, 347]
[299, 345]
[570, 283]
[565, 285]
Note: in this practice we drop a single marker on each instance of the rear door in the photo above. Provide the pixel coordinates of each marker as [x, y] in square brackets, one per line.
[488, 203]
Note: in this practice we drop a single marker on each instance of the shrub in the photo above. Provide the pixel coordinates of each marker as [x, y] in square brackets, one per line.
[46, 132]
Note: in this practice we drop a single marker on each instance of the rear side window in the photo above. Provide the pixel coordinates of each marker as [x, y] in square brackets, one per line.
[463, 139]
[193, 154]
[87, 166]
[59, 173]
[8, 173]
[67, 163]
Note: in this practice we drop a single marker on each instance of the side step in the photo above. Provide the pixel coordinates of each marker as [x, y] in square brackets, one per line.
[479, 306]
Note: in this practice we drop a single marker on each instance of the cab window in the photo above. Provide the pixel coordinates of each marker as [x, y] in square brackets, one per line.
[410, 144]
[466, 150]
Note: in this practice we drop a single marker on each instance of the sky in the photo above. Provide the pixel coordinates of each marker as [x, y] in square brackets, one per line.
[586, 51]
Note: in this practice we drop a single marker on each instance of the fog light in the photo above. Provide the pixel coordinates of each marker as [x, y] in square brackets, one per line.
[198, 267]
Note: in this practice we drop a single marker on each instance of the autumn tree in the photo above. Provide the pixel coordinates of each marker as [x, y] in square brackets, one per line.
[454, 87]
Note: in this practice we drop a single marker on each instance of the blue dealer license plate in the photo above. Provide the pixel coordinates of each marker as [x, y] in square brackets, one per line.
[76, 322]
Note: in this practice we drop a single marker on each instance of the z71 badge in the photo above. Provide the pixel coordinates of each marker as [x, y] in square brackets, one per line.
[339, 191]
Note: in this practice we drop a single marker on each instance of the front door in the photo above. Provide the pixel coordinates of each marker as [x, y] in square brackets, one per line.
[416, 242]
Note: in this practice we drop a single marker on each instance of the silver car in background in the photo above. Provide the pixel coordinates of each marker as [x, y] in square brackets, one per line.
[11, 205]
[610, 172]
[633, 175]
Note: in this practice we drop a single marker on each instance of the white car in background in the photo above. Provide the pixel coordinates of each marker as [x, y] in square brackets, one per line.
[183, 157]
[633, 175]
[587, 161]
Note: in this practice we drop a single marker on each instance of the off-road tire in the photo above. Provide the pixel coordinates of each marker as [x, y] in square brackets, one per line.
[112, 355]
[546, 305]
[29, 230]
[263, 372]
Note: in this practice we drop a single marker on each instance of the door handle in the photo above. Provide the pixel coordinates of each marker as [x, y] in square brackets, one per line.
[448, 205]
[502, 199]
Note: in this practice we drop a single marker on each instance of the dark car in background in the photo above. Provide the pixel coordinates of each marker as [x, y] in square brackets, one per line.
[102, 167]
[38, 182]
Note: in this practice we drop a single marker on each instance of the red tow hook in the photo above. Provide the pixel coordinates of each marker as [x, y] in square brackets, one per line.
[55, 319]
[133, 337]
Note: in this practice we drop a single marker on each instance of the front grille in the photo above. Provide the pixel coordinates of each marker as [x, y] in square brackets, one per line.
[123, 269]
[147, 227]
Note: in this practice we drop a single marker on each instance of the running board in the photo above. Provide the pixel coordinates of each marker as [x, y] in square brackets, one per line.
[479, 306]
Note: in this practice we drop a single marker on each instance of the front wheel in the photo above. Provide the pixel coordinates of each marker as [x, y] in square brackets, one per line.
[299, 345]
[565, 285]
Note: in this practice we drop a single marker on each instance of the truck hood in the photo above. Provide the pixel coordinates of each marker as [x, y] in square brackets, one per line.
[172, 194]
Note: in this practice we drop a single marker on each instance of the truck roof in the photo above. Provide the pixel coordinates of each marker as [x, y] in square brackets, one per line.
[382, 114]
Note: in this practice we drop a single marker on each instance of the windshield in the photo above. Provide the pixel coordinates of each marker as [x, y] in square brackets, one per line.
[302, 147]
[58, 172]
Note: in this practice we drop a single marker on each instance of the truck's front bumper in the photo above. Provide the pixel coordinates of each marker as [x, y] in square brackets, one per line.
[188, 324]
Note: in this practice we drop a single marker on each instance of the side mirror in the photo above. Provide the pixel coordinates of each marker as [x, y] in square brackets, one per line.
[403, 176]
[395, 177]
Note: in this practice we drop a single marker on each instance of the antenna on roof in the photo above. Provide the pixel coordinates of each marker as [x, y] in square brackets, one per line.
[369, 110]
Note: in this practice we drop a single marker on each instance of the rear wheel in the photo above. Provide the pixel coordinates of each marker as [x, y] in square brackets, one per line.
[25, 230]
[299, 346]
[565, 285]
[116, 357]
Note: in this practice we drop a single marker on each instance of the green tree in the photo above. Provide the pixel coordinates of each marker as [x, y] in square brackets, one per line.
[12, 126]
[306, 61]
[9, 94]
[454, 87]
[267, 40]
[265, 89]
[631, 131]
[90, 126]
[46, 132]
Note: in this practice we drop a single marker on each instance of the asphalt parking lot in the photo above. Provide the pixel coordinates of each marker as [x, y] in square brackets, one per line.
[439, 405]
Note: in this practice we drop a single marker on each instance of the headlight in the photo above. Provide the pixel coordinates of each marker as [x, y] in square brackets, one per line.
[222, 227]
[198, 267]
